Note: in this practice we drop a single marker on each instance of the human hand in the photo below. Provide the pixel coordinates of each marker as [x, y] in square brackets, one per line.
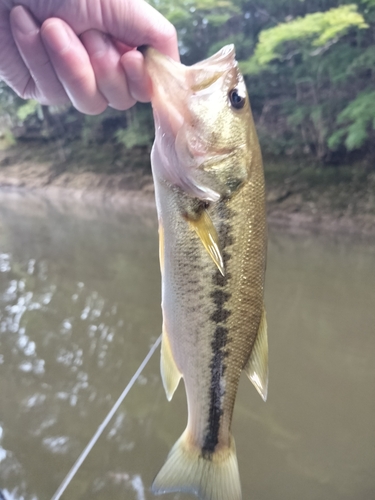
[81, 50]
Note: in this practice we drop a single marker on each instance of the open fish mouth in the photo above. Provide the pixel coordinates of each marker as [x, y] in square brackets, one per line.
[173, 84]
[169, 89]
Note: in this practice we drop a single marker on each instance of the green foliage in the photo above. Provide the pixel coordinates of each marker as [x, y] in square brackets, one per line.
[298, 116]
[250, 67]
[8, 139]
[9, 103]
[357, 120]
[213, 4]
[364, 60]
[181, 10]
[91, 129]
[28, 109]
[309, 67]
[368, 3]
[241, 42]
[7, 98]
[201, 24]
[217, 20]
[139, 131]
[314, 30]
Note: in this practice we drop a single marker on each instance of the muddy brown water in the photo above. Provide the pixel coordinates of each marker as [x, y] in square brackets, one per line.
[79, 309]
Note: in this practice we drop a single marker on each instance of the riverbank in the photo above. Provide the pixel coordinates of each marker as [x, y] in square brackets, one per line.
[300, 196]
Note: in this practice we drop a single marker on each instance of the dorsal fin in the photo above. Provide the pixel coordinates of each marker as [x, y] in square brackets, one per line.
[257, 366]
[207, 233]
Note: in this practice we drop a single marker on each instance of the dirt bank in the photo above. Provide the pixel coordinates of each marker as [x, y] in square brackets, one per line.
[26, 166]
[326, 198]
[299, 197]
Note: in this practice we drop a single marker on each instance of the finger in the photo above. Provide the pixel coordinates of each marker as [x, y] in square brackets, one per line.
[12, 68]
[40, 81]
[109, 74]
[72, 66]
[121, 47]
[137, 76]
[135, 24]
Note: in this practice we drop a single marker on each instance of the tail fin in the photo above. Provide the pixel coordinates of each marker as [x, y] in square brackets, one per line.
[186, 470]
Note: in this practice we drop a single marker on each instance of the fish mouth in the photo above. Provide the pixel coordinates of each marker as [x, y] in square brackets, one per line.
[169, 89]
[173, 84]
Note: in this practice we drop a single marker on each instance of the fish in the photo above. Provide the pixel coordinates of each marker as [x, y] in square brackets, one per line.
[210, 198]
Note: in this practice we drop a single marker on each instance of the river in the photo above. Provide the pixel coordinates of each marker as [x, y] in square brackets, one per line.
[79, 310]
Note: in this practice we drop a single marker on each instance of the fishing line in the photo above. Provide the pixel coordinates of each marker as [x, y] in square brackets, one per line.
[68, 478]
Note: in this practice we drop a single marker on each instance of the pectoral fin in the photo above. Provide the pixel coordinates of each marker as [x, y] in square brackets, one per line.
[207, 233]
[257, 366]
[170, 374]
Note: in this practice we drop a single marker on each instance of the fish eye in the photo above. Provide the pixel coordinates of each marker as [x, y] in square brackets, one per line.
[237, 100]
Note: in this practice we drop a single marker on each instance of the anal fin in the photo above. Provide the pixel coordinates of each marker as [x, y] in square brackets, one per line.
[257, 366]
[207, 233]
[170, 374]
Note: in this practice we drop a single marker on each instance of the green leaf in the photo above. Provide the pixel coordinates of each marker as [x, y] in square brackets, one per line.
[29, 108]
[218, 19]
[369, 3]
[214, 4]
[362, 108]
[298, 116]
[250, 67]
[336, 139]
[305, 33]
[139, 131]
[357, 136]
[356, 120]
[366, 60]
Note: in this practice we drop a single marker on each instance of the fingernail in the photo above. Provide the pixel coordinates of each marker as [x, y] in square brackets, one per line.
[23, 21]
[96, 43]
[57, 37]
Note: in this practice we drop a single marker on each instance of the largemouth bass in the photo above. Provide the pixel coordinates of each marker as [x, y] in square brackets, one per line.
[209, 188]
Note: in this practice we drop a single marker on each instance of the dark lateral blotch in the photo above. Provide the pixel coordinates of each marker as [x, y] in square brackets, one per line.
[220, 315]
[221, 280]
[220, 297]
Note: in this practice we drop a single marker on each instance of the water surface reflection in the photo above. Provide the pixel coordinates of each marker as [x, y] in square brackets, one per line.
[79, 308]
